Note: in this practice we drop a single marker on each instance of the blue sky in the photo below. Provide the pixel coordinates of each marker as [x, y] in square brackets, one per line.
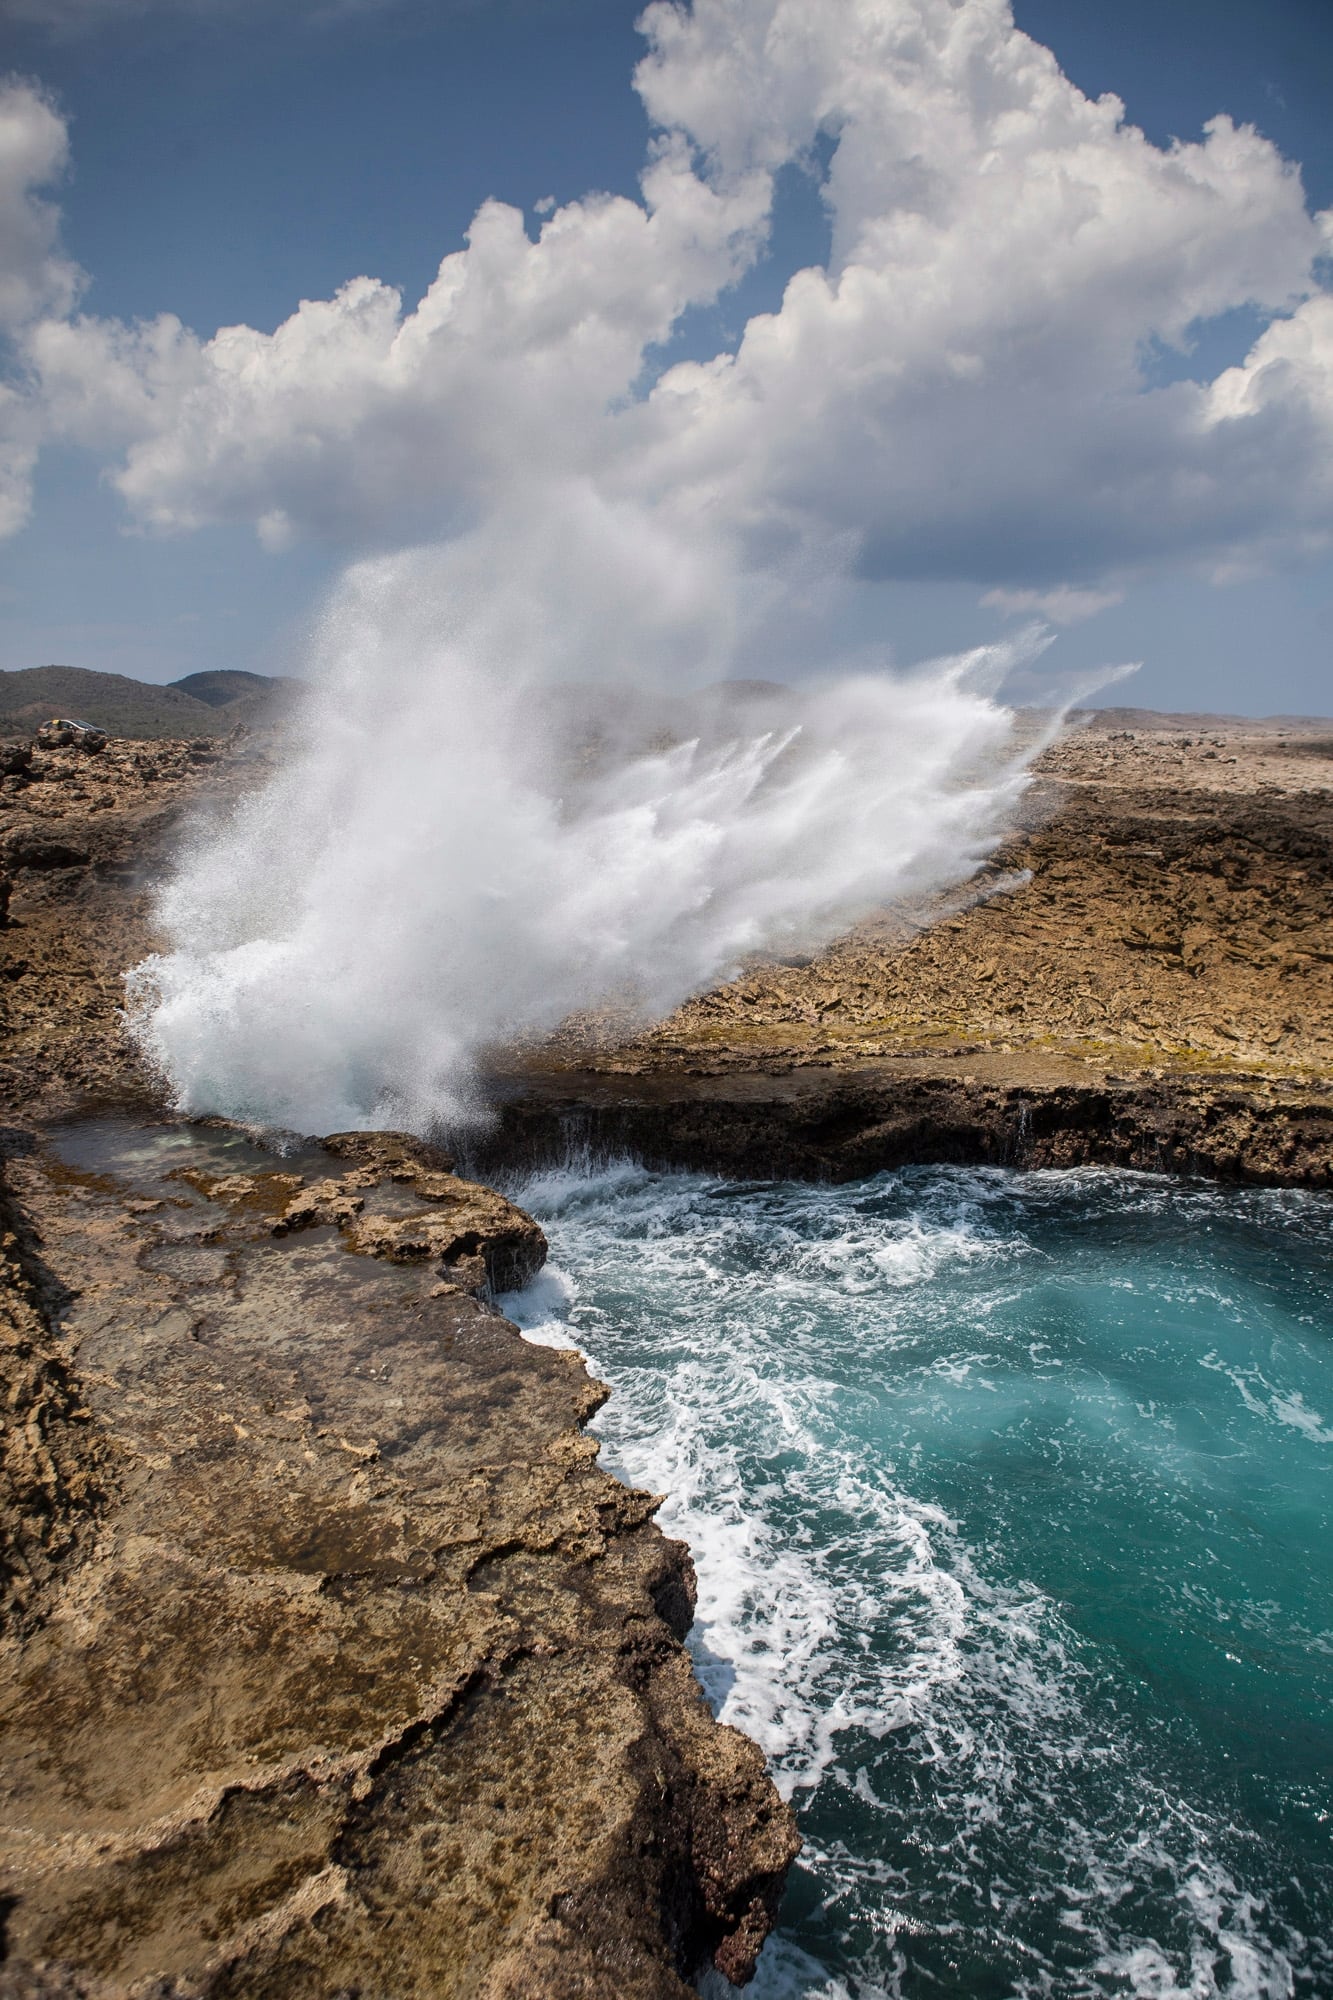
[225, 165]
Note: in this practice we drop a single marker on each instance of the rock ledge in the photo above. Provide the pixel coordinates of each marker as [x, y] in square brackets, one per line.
[334, 1664]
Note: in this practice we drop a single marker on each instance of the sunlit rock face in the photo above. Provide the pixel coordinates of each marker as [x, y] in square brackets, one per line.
[342, 1658]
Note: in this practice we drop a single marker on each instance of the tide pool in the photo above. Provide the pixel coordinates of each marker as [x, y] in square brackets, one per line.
[1010, 1498]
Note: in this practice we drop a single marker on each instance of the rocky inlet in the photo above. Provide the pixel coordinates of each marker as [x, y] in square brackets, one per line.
[332, 1663]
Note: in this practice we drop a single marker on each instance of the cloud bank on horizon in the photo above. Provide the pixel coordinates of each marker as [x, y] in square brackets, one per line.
[963, 391]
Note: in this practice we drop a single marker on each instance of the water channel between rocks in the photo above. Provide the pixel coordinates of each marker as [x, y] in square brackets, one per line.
[1009, 1496]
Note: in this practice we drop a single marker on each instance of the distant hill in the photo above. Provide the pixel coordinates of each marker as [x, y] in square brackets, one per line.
[204, 704]
[1157, 718]
[223, 685]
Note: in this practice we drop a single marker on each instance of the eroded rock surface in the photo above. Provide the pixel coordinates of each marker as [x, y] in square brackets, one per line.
[81, 838]
[344, 1668]
[1152, 984]
[54, 1461]
[1142, 977]
[330, 1662]
[470, 1234]
[332, 1665]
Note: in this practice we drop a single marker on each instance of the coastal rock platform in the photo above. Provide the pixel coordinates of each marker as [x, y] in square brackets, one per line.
[1142, 976]
[331, 1664]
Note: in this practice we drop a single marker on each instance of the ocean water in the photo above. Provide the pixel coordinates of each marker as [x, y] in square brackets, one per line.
[1010, 1498]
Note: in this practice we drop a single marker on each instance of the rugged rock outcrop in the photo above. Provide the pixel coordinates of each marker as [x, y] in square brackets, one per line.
[1153, 984]
[471, 1234]
[331, 1663]
[55, 1467]
[1142, 977]
[81, 837]
[334, 1663]
[845, 1120]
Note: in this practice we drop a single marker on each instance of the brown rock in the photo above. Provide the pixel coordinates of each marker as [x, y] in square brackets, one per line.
[1154, 919]
[390, 1155]
[325, 1202]
[82, 858]
[368, 1680]
[55, 1468]
[471, 1230]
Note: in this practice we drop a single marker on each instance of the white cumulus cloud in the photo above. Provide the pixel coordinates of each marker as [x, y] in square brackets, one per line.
[35, 278]
[34, 151]
[353, 416]
[1065, 605]
[964, 391]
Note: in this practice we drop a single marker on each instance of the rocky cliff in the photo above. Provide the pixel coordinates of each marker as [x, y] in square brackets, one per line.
[333, 1663]
[330, 1661]
[1143, 977]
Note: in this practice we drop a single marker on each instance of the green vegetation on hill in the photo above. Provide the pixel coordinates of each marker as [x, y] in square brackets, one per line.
[221, 686]
[204, 704]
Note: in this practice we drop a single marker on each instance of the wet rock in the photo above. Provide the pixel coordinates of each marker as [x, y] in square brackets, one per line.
[470, 1234]
[842, 1121]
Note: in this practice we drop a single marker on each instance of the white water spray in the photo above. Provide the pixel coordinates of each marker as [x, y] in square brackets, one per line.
[511, 797]
[451, 858]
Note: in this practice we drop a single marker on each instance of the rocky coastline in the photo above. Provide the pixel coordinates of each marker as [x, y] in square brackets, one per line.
[1141, 977]
[852, 1119]
[332, 1662]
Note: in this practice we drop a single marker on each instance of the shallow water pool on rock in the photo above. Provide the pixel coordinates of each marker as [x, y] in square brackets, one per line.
[1010, 1500]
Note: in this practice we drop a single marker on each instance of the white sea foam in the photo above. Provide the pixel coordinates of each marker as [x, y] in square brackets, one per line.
[788, 1973]
[1262, 1400]
[848, 1624]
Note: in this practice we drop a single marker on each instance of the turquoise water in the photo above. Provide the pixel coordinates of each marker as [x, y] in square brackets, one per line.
[1010, 1500]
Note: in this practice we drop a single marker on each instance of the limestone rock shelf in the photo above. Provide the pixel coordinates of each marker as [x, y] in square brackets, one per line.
[334, 1664]
[330, 1662]
[845, 1119]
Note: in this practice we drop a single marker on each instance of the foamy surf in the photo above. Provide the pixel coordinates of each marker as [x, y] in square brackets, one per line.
[955, 1454]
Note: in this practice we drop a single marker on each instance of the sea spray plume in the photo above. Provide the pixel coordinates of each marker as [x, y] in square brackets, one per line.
[424, 878]
[427, 876]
